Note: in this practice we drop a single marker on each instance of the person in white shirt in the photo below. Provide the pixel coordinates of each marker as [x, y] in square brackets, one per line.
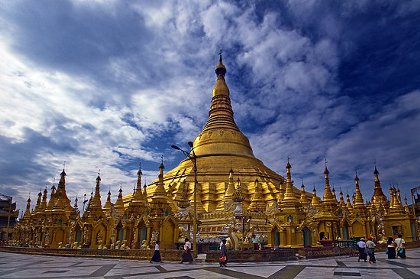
[156, 255]
[186, 255]
[370, 247]
[361, 245]
[400, 243]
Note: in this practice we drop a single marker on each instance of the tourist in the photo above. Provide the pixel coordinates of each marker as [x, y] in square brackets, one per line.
[361, 245]
[186, 255]
[255, 242]
[223, 254]
[400, 243]
[370, 250]
[156, 254]
[391, 248]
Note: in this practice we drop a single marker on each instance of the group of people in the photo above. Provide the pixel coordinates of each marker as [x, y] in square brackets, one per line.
[185, 257]
[366, 248]
[396, 248]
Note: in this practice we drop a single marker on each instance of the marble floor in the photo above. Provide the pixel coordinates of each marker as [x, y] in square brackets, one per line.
[36, 266]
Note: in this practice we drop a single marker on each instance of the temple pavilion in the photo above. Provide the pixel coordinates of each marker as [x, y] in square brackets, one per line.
[236, 197]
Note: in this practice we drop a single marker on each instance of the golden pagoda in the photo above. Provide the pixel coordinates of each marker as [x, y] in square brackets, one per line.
[236, 197]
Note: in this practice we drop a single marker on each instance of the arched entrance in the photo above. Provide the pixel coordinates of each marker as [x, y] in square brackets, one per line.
[345, 231]
[307, 241]
[120, 232]
[142, 233]
[78, 234]
[275, 236]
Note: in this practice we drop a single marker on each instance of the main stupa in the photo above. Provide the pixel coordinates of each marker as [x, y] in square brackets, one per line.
[224, 154]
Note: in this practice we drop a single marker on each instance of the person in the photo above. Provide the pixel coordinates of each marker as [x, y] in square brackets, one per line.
[400, 243]
[370, 249]
[255, 242]
[156, 255]
[186, 255]
[361, 245]
[223, 254]
[391, 248]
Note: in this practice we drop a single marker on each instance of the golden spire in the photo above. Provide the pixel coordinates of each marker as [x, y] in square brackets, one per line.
[406, 207]
[228, 140]
[303, 198]
[358, 200]
[348, 202]
[288, 195]
[52, 200]
[327, 190]
[341, 202]
[119, 204]
[314, 201]
[139, 174]
[38, 201]
[95, 204]
[333, 194]
[44, 200]
[62, 182]
[108, 203]
[257, 201]
[378, 195]
[230, 188]
[395, 201]
[160, 188]
[27, 213]
[220, 88]
[138, 194]
[145, 192]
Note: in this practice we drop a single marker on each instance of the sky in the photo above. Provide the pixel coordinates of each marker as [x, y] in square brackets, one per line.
[102, 86]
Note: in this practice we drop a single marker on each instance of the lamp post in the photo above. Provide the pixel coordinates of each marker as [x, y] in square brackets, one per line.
[193, 159]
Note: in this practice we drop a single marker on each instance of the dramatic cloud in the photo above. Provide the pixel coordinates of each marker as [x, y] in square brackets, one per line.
[108, 84]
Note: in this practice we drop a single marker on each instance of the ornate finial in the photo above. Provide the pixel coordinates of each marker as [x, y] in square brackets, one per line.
[139, 172]
[99, 172]
[325, 161]
[220, 68]
[162, 158]
[64, 165]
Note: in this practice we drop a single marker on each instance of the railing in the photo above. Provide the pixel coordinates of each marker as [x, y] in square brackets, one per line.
[139, 254]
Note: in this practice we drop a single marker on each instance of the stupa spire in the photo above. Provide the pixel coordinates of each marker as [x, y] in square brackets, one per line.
[358, 199]
[303, 198]
[230, 188]
[327, 190]
[378, 195]
[314, 201]
[289, 196]
[27, 213]
[108, 203]
[228, 140]
[348, 202]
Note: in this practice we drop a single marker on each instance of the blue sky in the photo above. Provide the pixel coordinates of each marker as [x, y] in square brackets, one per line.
[107, 84]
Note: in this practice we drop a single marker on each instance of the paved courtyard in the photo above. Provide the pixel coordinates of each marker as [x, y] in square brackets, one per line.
[35, 266]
